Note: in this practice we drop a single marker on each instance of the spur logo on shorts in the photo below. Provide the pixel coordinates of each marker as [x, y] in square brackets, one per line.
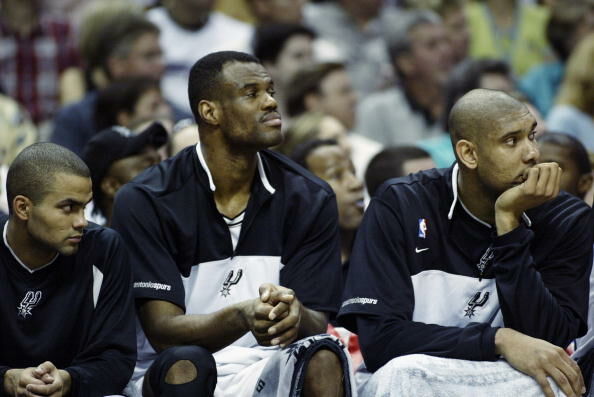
[30, 300]
[475, 302]
[231, 279]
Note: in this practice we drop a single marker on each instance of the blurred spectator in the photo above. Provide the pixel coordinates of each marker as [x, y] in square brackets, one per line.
[38, 59]
[473, 73]
[126, 45]
[327, 160]
[394, 162]
[453, 15]
[574, 109]
[327, 88]
[511, 30]
[114, 157]
[189, 30]
[421, 55]
[570, 21]
[130, 102]
[284, 49]
[276, 11]
[324, 87]
[314, 125]
[573, 159]
[17, 131]
[356, 28]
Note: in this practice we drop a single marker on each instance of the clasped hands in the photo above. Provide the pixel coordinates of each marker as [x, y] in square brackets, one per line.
[274, 317]
[43, 380]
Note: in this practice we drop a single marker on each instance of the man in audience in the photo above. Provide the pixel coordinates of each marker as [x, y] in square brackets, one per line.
[131, 102]
[115, 156]
[327, 88]
[67, 306]
[127, 45]
[235, 252]
[284, 50]
[189, 30]
[394, 162]
[481, 261]
[422, 58]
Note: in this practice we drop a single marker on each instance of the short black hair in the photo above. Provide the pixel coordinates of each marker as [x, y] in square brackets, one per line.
[31, 174]
[120, 96]
[203, 82]
[303, 150]
[269, 40]
[577, 152]
[389, 164]
[308, 81]
[466, 76]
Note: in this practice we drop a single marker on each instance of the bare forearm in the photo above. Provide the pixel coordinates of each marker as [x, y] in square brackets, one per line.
[312, 322]
[212, 331]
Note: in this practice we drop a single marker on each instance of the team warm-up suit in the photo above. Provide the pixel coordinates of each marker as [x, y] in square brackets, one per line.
[77, 312]
[183, 251]
[428, 277]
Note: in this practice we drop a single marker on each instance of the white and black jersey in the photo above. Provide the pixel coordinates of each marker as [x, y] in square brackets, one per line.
[76, 311]
[182, 248]
[426, 276]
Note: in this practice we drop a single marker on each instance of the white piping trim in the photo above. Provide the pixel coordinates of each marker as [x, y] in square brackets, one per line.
[97, 282]
[263, 176]
[454, 190]
[203, 163]
[525, 217]
[31, 271]
[261, 172]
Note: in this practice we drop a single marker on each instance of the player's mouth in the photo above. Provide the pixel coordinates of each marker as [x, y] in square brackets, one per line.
[75, 239]
[272, 120]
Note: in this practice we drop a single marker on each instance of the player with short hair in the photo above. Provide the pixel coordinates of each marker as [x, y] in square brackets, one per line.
[481, 261]
[235, 251]
[67, 306]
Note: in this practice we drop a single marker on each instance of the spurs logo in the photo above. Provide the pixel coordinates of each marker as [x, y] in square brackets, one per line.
[30, 300]
[475, 302]
[231, 281]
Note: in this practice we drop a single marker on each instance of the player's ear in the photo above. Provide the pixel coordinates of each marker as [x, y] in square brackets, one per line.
[21, 207]
[209, 112]
[466, 152]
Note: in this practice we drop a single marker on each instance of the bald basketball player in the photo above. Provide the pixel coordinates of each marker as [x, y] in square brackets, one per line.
[471, 280]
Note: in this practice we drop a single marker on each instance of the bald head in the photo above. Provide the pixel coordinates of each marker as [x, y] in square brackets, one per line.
[479, 111]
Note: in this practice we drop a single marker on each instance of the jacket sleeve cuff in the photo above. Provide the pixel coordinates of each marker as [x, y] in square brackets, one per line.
[488, 344]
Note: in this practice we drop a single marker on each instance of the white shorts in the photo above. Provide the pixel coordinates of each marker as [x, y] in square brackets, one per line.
[422, 375]
[271, 372]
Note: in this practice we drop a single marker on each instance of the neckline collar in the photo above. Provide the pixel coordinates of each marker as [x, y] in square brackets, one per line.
[455, 171]
[31, 271]
[261, 172]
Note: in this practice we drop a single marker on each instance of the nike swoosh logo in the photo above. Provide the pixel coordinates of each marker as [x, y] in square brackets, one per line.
[418, 250]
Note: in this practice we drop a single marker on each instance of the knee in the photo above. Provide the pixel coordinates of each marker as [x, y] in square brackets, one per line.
[182, 361]
[181, 370]
[324, 360]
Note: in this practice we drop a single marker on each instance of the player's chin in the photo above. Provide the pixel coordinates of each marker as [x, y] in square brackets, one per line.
[68, 249]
